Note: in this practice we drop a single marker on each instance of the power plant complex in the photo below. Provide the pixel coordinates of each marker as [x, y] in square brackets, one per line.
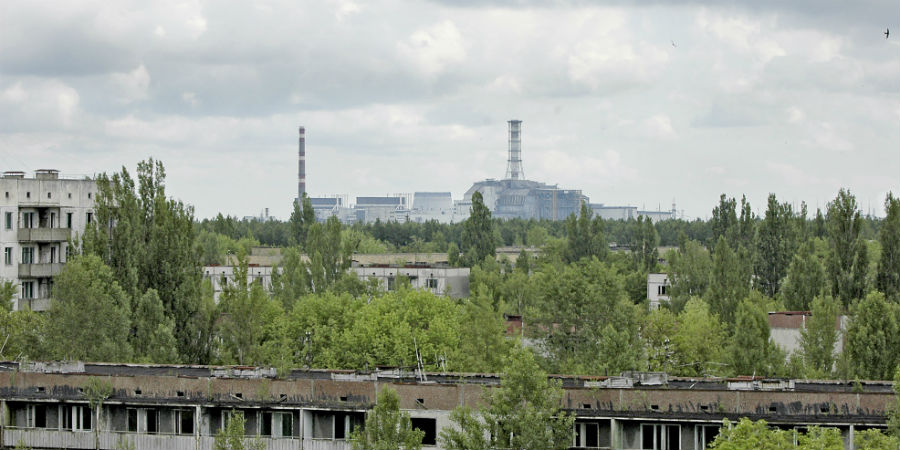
[507, 198]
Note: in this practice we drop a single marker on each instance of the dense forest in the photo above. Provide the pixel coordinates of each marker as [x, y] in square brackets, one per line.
[133, 291]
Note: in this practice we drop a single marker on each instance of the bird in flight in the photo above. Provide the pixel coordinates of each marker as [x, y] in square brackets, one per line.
[673, 44]
[887, 33]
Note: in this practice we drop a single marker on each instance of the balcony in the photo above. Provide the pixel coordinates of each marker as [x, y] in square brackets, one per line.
[39, 270]
[52, 438]
[44, 234]
[34, 304]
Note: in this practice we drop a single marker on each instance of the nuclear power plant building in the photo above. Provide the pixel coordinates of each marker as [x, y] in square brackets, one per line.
[516, 197]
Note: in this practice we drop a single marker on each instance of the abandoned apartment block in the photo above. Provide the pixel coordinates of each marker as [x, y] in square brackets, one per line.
[48, 406]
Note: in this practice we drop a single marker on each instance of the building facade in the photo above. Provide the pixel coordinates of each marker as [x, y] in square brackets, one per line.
[658, 287]
[40, 215]
[150, 407]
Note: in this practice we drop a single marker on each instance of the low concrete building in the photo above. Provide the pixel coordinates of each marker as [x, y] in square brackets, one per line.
[450, 281]
[47, 405]
[785, 328]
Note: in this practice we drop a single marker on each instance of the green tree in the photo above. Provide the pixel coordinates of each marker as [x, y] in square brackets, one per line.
[658, 330]
[888, 278]
[724, 220]
[291, 282]
[584, 236]
[148, 240]
[874, 439]
[776, 243]
[748, 434]
[729, 283]
[485, 344]
[689, 271]
[847, 261]
[644, 240]
[873, 337]
[893, 410]
[523, 413]
[316, 328]
[302, 217]
[589, 324]
[453, 254]
[249, 317]
[89, 314]
[817, 339]
[478, 232]
[820, 438]
[232, 437]
[152, 338]
[698, 341]
[469, 432]
[329, 255]
[805, 279]
[752, 350]
[387, 428]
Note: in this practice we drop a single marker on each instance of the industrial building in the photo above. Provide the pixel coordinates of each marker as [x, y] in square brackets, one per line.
[40, 215]
[516, 197]
[48, 405]
[513, 196]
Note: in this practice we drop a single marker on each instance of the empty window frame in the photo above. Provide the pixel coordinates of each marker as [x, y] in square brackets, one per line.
[152, 421]
[264, 423]
[28, 220]
[36, 416]
[660, 437]
[75, 418]
[184, 421]
[706, 434]
[587, 435]
[8, 256]
[27, 255]
[8, 220]
[88, 218]
[28, 289]
[284, 422]
[432, 283]
[132, 421]
[68, 220]
[429, 426]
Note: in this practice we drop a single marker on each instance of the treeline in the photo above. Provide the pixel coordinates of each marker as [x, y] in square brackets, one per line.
[133, 291]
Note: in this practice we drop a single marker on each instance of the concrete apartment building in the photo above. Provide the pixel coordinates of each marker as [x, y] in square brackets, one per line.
[39, 215]
[46, 405]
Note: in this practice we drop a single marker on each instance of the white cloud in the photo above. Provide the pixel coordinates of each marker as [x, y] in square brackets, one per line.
[132, 85]
[433, 49]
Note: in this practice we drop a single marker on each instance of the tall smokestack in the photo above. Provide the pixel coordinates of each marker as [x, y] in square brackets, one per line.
[301, 170]
[514, 164]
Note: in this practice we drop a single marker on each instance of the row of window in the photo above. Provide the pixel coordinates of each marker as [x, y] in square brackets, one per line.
[28, 255]
[28, 220]
[50, 195]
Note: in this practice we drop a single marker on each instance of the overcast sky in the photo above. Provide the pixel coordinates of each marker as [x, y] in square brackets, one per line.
[633, 102]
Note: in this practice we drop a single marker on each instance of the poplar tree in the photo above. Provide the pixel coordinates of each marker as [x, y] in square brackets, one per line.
[148, 240]
[478, 233]
[817, 339]
[776, 244]
[847, 257]
[873, 337]
[730, 281]
[888, 278]
[584, 236]
[805, 279]
[89, 316]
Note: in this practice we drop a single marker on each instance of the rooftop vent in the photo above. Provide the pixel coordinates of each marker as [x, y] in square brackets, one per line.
[46, 174]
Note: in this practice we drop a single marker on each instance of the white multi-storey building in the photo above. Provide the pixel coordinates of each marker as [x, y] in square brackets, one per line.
[39, 215]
